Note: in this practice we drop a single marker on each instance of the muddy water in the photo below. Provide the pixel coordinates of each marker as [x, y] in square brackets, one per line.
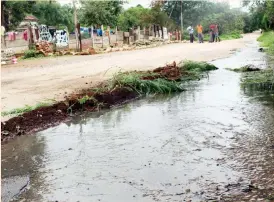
[211, 142]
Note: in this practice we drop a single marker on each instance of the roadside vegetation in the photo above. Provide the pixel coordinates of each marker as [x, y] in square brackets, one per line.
[31, 54]
[267, 40]
[163, 80]
[22, 110]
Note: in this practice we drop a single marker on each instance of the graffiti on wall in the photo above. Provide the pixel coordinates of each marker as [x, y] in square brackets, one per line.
[62, 39]
[44, 34]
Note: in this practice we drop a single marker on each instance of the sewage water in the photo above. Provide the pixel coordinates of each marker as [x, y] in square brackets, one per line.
[213, 142]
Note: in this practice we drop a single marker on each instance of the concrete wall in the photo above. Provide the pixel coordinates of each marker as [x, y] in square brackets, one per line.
[20, 45]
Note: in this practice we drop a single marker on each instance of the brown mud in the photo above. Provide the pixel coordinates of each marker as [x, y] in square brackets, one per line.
[49, 116]
[170, 72]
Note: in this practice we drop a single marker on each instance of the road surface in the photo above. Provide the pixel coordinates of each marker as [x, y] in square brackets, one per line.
[32, 81]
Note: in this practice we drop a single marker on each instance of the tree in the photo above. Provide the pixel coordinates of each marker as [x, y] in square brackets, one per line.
[262, 13]
[139, 16]
[229, 21]
[193, 11]
[132, 17]
[52, 13]
[14, 12]
[100, 12]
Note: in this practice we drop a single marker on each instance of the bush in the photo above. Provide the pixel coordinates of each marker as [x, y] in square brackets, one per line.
[31, 54]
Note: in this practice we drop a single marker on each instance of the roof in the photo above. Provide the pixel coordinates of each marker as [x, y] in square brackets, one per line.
[31, 17]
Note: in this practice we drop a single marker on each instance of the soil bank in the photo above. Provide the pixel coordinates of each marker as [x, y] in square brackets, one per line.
[33, 81]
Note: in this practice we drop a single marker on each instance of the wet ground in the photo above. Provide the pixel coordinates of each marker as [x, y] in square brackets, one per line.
[214, 142]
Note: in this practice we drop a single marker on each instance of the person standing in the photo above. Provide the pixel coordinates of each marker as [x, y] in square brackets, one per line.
[191, 32]
[216, 33]
[200, 33]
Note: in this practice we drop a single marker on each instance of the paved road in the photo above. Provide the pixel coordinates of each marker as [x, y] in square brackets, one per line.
[33, 81]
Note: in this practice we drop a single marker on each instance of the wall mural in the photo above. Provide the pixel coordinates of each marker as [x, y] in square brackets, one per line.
[62, 39]
[44, 34]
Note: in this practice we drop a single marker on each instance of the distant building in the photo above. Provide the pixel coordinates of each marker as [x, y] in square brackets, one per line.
[24, 24]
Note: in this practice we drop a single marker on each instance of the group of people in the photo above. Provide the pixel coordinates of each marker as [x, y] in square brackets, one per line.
[213, 33]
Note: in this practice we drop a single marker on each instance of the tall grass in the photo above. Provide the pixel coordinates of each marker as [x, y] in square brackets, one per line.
[192, 66]
[267, 40]
[134, 82]
[22, 110]
[261, 77]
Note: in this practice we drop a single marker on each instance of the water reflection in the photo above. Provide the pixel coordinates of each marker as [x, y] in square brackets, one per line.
[22, 157]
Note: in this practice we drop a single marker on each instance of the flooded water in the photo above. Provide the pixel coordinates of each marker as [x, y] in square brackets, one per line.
[210, 143]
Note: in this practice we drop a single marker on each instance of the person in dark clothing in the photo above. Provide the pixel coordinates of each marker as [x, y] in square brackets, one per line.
[191, 33]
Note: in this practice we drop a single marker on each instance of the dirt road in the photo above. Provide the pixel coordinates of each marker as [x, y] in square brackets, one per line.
[33, 81]
[212, 142]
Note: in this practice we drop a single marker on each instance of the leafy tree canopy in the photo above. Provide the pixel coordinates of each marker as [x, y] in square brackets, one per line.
[99, 12]
[52, 13]
[14, 12]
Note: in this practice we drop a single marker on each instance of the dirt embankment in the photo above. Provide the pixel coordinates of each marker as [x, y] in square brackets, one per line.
[87, 100]
[34, 81]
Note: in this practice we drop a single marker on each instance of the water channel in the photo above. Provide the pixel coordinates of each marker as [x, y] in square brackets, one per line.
[210, 143]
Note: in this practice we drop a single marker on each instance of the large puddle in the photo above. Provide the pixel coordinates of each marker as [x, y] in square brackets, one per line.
[207, 143]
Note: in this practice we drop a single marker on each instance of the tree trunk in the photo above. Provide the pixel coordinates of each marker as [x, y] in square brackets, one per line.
[79, 36]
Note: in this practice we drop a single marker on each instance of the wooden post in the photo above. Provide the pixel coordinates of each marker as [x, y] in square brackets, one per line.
[79, 33]
[138, 32]
[92, 37]
[30, 34]
[67, 35]
[144, 33]
[116, 34]
[108, 31]
[102, 28]
[75, 24]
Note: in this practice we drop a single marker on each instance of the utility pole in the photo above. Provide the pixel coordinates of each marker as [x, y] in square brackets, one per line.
[182, 26]
[75, 25]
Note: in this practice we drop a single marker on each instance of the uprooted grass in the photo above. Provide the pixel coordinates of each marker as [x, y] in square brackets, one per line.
[247, 68]
[135, 82]
[192, 66]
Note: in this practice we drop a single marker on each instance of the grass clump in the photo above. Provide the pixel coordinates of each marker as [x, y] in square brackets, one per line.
[247, 68]
[134, 82]
[261, 77]
[86, 98]
[32, 54]
[192, 66]
[267, 40]
[22, 110]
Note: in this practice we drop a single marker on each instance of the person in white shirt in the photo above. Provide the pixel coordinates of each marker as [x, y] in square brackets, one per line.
[191, 33]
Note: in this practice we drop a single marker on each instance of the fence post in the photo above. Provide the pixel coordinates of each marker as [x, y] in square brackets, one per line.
[108, 31]
[92, 37]
[102, 28]
[30, 36]
[116, 33]
[79, 35]
[144, 33]
[138, 33]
